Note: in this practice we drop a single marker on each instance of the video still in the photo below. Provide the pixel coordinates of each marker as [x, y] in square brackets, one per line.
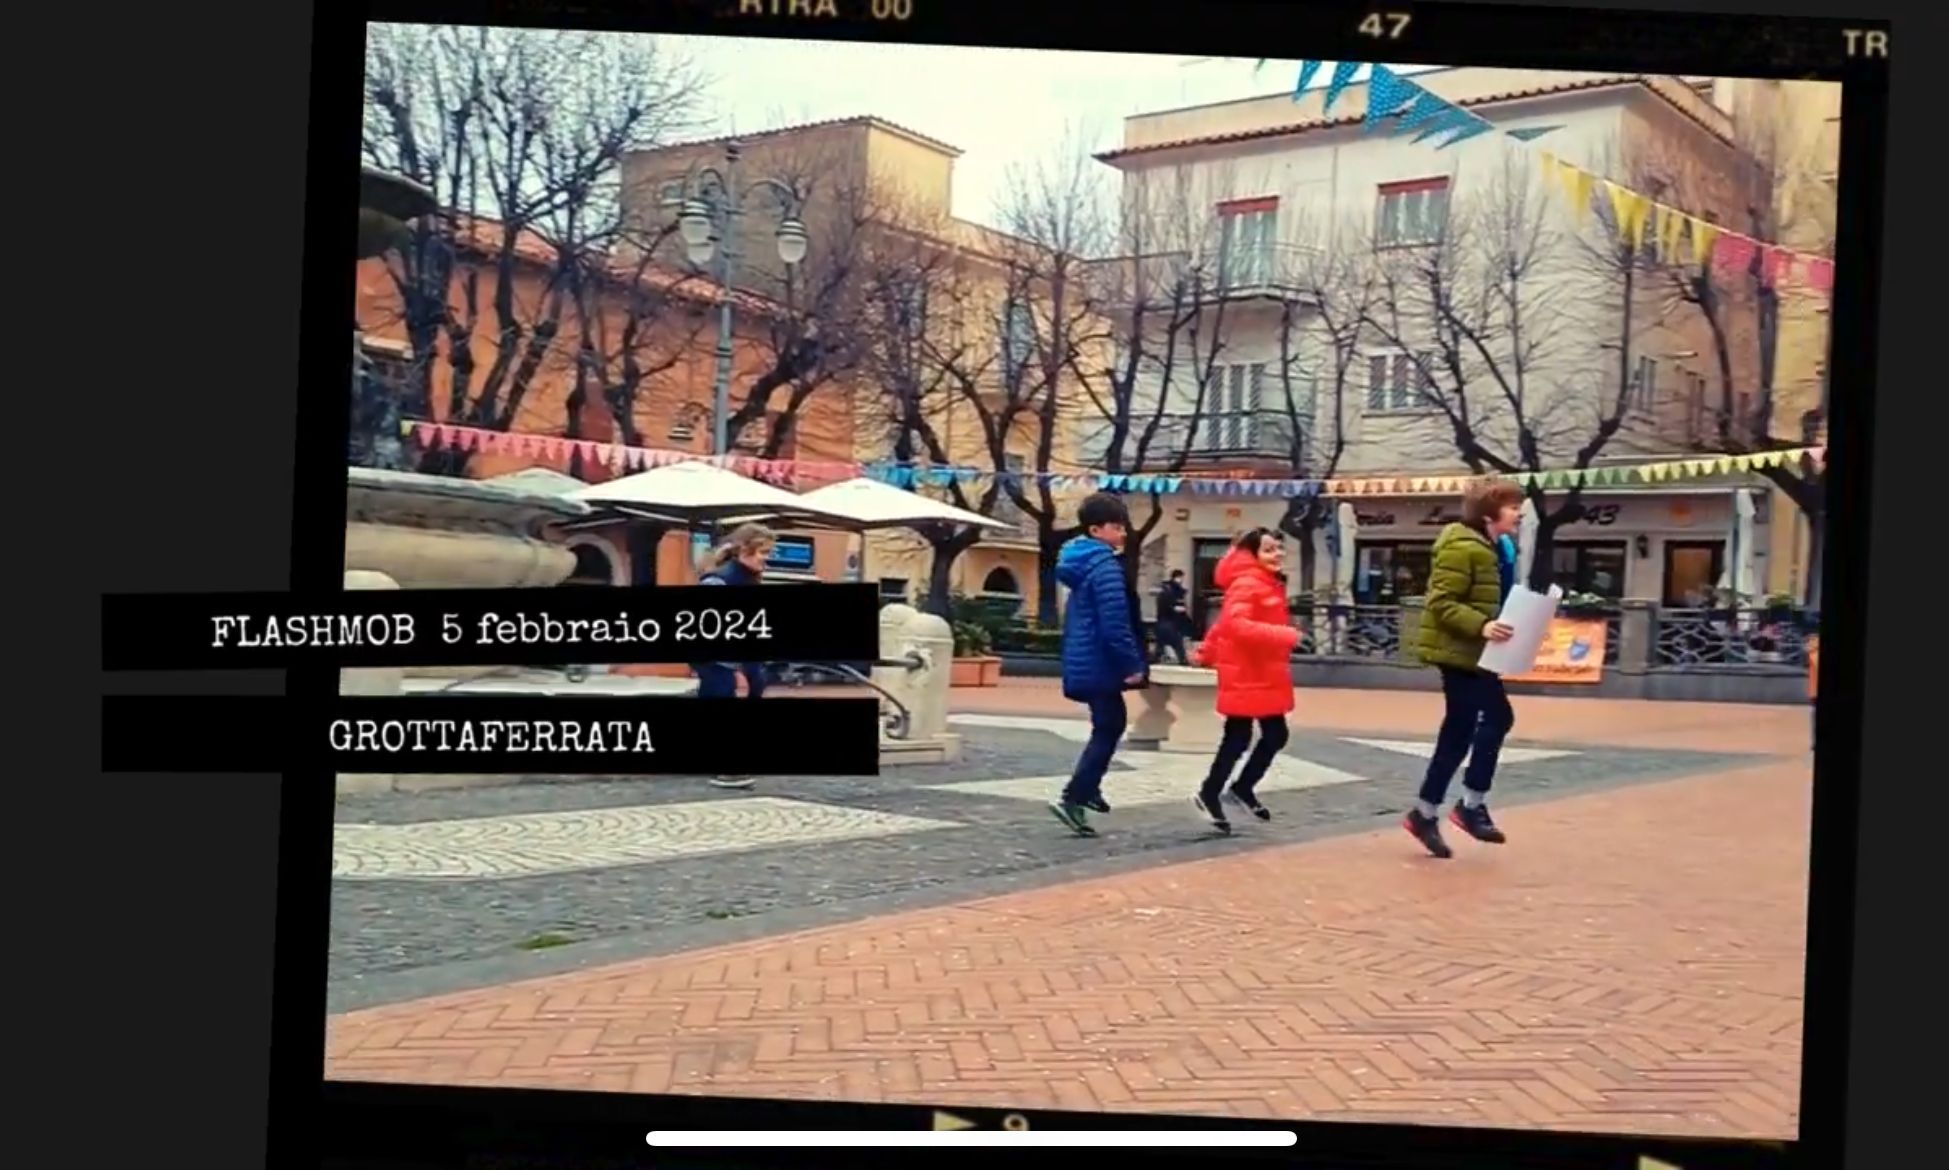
[1347, 544]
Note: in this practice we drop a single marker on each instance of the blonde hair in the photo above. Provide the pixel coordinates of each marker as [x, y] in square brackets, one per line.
[743, 539]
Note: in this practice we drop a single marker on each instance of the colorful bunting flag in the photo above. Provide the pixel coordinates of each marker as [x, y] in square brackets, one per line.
[1387, 92]
[1343, 72]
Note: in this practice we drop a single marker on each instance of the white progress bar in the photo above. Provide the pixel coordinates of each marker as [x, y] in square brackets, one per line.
[973, 1138]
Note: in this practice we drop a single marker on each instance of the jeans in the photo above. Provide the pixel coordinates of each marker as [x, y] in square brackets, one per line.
[1273, 735]
[1108, 716]
[715, 680]
[1170, 636]
[1478, 719]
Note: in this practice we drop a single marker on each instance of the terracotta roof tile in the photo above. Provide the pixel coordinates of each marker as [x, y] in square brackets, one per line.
[821, 124]
[1310, 124]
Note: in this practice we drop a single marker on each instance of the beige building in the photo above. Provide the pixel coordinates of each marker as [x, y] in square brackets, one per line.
[1291, 221]
[933, 307]
[1794, 127]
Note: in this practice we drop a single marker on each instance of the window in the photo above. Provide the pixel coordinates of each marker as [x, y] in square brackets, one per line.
[1643, 395]
[1589, 567]
[1386, 571]
[909, 297]
[1692, 572]
[1411, 213]
[893, 590]
[1232, 407]
[389, 366]
[1398, 381]
[1018, 340]
[1247, 229]
[1694, 406]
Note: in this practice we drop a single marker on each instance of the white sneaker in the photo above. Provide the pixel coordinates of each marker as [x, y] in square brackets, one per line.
[737, 782]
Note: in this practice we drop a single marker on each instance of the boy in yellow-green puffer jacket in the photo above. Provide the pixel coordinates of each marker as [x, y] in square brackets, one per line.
[1472, 572]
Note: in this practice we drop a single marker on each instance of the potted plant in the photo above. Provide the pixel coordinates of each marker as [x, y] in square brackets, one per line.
[974, 665]
[1586, 605]
[1781, 609]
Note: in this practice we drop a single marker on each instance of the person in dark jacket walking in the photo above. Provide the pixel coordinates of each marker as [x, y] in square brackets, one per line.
[1472, 573]
[1102, 654]
[739, 560]
[1171, 620]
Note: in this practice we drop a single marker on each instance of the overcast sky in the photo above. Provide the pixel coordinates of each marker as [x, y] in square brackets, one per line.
[1004, 108]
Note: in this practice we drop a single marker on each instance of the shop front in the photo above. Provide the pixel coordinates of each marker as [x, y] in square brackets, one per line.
[1671, 547]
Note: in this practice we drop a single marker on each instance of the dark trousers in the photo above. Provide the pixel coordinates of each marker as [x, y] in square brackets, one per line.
[1108, 717]
[1273, 735]
[1170, 636]
[1477, 720]
[715, 680]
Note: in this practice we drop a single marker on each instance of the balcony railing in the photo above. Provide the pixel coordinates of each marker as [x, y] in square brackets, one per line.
[1184, 278]
[1263, 434]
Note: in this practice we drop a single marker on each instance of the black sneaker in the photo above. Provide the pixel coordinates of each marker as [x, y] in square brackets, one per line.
[1095, 804]
[1250, 803]
[1426, 830]
[1477, 823]
[1213, 814]
[1073, 816]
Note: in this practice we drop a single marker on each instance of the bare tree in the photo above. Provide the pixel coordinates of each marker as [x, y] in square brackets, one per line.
[817, 323]
[1777, 188]
[1147, 379]
[1320, 349]
[1492, 327]
[932, 372]
[520, 134]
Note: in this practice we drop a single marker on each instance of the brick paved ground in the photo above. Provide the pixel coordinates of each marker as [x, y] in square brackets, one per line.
[1632, 962]
[1644, 723]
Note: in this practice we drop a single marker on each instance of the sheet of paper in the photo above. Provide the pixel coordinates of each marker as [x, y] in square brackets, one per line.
[1529, 613]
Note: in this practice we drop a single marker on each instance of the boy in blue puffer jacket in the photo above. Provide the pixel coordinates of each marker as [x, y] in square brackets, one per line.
[1102, 655]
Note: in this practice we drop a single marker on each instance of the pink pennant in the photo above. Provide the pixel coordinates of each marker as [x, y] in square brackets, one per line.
[493, 442]
[438, 436]
[1775, 265]
[1820, 273]
[424, 435]
[554, 449]
[1734, 253]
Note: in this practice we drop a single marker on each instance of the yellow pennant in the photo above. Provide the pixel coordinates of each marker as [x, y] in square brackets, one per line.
[1722, 466]
[1631, 209]
[1703, 234]
[1671, 225]
[1578, 185]
[1742, 463]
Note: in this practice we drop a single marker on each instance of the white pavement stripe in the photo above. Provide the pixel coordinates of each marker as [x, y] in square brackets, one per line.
[1159, 778]
[1075, 730]
[599, 838]
[1510, 755]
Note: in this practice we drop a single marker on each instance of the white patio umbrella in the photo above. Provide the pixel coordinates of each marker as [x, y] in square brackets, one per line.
[693, 493]
[870, 503]
[1745, 551]
[1526, 540]
[1344, 564]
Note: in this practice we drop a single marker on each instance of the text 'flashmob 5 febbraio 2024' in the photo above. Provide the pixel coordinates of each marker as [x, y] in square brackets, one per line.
[461, 627]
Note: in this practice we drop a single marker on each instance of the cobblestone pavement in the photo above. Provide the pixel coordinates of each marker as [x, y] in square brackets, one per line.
[446, 890]
[1631, 961]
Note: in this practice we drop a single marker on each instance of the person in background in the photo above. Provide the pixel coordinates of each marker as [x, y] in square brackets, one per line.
[1102, 651]
[1251, 645]
[1172, 623]
[1472, 574]
[738, 560]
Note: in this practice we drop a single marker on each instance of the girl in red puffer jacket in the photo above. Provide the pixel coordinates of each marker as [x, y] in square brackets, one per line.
[1251, 646]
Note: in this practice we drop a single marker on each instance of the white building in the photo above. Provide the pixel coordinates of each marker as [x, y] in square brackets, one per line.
[1250, 229]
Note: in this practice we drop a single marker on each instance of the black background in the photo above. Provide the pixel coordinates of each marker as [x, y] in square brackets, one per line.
[156, 195]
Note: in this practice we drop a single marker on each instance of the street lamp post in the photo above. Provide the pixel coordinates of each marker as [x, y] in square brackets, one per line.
[713, 203]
